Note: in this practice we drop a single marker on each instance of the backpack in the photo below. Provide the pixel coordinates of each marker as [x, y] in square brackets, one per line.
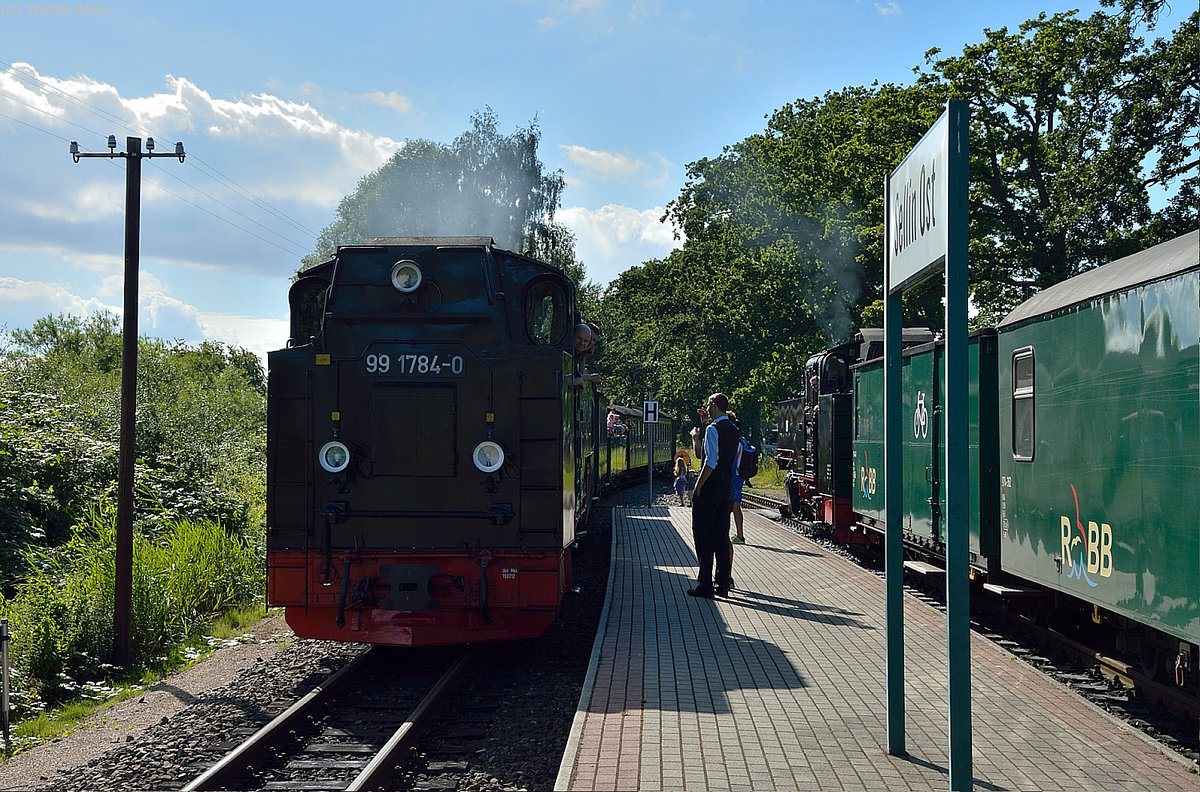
[748, 466]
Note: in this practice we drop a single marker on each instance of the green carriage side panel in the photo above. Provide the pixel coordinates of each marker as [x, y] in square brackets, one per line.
[867, 445]
[917, 457]
[1101, 490]
[922, 455]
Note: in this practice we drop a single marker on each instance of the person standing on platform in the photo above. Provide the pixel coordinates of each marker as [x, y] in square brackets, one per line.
[735, 489]
[710, 501]
[680, 478]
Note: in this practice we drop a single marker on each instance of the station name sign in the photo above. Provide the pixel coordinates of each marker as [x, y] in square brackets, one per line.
[917, 202]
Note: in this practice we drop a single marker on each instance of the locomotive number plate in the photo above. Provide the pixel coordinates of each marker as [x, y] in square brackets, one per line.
[420, 365]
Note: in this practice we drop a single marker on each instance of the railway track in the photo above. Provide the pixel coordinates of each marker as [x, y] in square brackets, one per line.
[1161, 712]
[350, 732]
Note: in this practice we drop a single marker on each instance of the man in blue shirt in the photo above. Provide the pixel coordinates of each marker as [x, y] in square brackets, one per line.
[710, 501]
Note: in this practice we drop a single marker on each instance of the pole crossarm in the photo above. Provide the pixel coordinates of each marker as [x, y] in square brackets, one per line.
[149, 153]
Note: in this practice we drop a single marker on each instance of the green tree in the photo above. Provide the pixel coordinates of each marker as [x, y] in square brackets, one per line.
[1073, 123]
[485, 184]
[200, 431]
[783, 250]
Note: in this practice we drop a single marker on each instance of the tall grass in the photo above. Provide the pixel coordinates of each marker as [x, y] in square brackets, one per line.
[62, 612]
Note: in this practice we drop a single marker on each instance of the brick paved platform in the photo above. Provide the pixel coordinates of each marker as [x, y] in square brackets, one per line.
[779, 686]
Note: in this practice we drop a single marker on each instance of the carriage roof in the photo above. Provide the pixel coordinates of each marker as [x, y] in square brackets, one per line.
[1152, 264]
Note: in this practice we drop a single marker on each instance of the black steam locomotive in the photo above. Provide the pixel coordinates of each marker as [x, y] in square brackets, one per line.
[431, 448]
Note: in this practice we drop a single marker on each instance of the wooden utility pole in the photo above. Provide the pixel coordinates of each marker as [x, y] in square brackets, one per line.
[123, 587]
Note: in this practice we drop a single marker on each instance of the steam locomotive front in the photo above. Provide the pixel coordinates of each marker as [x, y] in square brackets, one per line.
[420, 474]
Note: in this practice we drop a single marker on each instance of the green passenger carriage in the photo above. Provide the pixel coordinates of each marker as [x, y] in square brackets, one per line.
[923, 452]
[1099, 383]
[1083, 460]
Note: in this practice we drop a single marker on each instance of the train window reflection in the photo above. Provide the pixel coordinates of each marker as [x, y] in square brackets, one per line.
[307, 298]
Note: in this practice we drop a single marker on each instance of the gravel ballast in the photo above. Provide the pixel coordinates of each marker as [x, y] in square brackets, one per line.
[151, 741]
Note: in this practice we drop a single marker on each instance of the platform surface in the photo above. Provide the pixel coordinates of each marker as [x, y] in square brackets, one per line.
[780, 686]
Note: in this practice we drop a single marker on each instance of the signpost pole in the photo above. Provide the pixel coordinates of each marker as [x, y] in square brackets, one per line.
[925, 233]
[958, 587]
[649, 418]
[893, 489]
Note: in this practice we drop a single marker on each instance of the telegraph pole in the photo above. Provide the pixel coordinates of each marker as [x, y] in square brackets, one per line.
[123, 591]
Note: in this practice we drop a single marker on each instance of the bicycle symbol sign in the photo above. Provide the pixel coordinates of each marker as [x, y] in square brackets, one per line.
[920, 417]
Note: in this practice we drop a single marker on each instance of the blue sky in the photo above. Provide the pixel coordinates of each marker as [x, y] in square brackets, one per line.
[282, 107]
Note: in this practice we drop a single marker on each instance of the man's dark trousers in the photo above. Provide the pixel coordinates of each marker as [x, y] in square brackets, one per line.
[710, 531]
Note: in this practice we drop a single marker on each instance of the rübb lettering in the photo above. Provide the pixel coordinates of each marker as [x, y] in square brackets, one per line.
[1096, 556]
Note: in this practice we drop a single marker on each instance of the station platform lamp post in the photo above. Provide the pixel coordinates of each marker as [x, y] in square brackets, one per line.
[123, 589]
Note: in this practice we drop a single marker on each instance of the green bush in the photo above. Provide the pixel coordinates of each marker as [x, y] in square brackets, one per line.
[200, 431]
[62, 613]
[769, 475]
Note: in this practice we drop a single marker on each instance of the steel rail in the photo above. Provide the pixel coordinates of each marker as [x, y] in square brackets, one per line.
[386, 759]
[235, 762]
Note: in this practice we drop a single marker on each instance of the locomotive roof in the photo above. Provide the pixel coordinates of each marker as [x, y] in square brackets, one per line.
[463, 241]
[1155, 263]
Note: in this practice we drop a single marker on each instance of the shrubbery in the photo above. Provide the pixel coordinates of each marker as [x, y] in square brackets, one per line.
[62, 612]
[199, 497]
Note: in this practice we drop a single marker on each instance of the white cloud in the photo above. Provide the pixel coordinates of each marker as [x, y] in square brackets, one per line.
[395, 101]
[891, 9]
[613, 238]
[259, 335]
[603, 163]
[257, 127]
[262, 176]
[23, 301]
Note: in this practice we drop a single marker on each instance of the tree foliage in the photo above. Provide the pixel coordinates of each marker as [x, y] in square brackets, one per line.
[783, 249]
[200, 432]
[1075, 124]
[1065, 115]
[484, 184]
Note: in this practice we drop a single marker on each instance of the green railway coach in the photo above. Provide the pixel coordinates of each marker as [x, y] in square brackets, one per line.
[1099, 405]
[923, 449]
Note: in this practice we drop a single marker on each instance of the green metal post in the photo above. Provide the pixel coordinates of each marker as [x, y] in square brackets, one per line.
[893, 508]
[958, 496]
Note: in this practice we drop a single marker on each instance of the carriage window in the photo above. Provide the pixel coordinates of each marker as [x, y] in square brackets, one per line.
[1022, 404]
[546, 313]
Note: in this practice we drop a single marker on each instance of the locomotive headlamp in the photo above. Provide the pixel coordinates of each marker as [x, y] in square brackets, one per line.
[406, 275]
[334, 456]
[488, 456]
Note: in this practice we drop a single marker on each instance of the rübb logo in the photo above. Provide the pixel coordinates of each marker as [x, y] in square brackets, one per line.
[1087, 553]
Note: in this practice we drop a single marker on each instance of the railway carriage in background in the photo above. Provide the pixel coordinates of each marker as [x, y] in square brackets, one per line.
[431, 455]
[1084, 454]
[815, 432]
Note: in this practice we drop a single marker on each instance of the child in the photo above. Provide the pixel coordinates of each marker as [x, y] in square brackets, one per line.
[680, 479]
